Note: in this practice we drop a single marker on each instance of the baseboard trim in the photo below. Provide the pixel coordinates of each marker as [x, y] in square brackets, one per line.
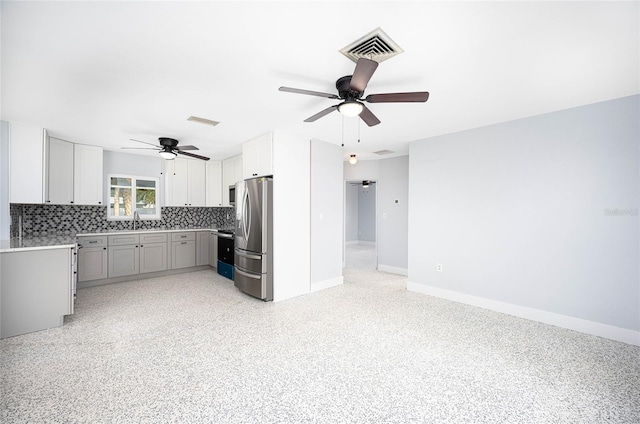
[367, 243]
[350, 242]
[577, 324]
[393, 269]
[325, 284]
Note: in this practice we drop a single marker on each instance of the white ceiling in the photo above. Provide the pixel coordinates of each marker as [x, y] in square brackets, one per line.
[104, 72]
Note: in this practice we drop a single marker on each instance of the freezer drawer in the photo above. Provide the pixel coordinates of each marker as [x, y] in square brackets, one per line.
[256, 285]
[249, 261]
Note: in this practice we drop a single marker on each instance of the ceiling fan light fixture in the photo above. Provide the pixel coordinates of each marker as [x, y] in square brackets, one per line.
[167, 154]
[353, 159]
[350, 108]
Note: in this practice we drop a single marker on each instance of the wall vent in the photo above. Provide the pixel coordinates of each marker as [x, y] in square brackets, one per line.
[376, 45]
[384, 152]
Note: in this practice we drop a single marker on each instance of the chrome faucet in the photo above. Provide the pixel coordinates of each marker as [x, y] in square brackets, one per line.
[136, 216]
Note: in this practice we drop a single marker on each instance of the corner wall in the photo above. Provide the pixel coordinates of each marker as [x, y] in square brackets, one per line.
[326, 215]
[536, 217]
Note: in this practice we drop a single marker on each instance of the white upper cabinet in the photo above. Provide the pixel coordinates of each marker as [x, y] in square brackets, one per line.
[231, 174]
[257, 155]
[214, 183]
[58, 172]
[185, 182]
[87, 175]
[26, 164]
[197, 182]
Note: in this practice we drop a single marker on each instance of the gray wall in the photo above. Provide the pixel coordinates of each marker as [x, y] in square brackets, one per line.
[326, 211]
[393, 212]
[131, 164]
[367, 213]
[540, 212]
[351, 213]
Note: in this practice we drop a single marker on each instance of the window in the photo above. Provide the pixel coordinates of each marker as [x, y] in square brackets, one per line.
[123, 189]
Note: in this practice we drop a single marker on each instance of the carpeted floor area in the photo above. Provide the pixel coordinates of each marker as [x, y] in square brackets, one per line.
[192, 349]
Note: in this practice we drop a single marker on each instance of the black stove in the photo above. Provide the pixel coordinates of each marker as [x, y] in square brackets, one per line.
[225, 253]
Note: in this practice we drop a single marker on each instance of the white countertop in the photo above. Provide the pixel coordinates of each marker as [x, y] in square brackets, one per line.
[15, 244]
[68, 241]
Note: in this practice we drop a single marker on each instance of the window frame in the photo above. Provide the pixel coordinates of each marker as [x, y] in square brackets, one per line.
[134, 179]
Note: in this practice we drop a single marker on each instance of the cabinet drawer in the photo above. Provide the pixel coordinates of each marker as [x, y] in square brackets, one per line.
[153, 238]
[185, 236]
[93, 241]
[124, 239]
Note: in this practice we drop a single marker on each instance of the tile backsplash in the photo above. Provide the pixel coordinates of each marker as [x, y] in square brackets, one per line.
[39, 220]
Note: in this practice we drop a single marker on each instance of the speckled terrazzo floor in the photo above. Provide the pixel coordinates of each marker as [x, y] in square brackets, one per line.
[192, 349]
[360, 256]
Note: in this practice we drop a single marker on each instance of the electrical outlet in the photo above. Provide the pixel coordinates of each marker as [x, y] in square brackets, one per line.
[439, 267]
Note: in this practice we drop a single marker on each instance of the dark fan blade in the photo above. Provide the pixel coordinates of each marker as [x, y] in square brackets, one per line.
[362, 74]
[190, 155]
[418, 96]
[368, 117]
[187, 148]
[321, 114]
[138, 148]
[308, 92]
[150, 144]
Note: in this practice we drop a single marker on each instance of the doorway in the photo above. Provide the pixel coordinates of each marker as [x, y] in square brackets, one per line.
[360, 235]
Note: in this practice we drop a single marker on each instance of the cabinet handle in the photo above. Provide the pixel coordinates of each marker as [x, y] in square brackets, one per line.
[47, 201]
[93, 241]
[104, 248]
[141, 245]
[184, 242]
[71, 201]
[99, 203]
[136, 246]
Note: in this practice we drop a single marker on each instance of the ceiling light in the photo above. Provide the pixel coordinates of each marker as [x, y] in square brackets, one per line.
[353, 159]
[350, 108]
[167, 154]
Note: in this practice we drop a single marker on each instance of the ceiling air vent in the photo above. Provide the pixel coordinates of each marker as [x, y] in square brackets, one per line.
[376, 45]
[384, 152]
[203, 121]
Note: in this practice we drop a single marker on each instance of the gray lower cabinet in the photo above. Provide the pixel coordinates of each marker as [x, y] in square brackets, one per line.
[37, 290]
[153, 252]
[183, 250]
[124, 255]
[124, 260]
[202, 249]
[213, 249]
[92, 258]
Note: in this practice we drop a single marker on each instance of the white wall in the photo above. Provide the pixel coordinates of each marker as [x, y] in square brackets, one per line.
[130, 164]
[291, 212]
[326, 215]
[393, 214]
[519, 214]
[362, 170]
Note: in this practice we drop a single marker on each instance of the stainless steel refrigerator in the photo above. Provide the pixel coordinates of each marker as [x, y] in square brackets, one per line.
[253, 256]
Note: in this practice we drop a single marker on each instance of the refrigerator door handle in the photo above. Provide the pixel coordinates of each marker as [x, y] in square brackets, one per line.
[247, 210]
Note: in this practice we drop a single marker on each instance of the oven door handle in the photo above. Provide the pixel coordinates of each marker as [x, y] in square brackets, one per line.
[223, 235]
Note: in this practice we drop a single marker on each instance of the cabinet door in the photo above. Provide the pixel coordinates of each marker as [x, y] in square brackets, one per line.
[153, 257]
[59, 172]
[178, 177]
[92, 263]
[26, 164]
[237, 169]
[124, 260]
[228, 178]
[257, 157]
[214, 183]
[183, 254]
[87, 175]
[197, 183]
[213, 249]
[202, 248]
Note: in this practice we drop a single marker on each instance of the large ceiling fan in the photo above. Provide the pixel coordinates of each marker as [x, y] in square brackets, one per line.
[168, 148]
[351, 89]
